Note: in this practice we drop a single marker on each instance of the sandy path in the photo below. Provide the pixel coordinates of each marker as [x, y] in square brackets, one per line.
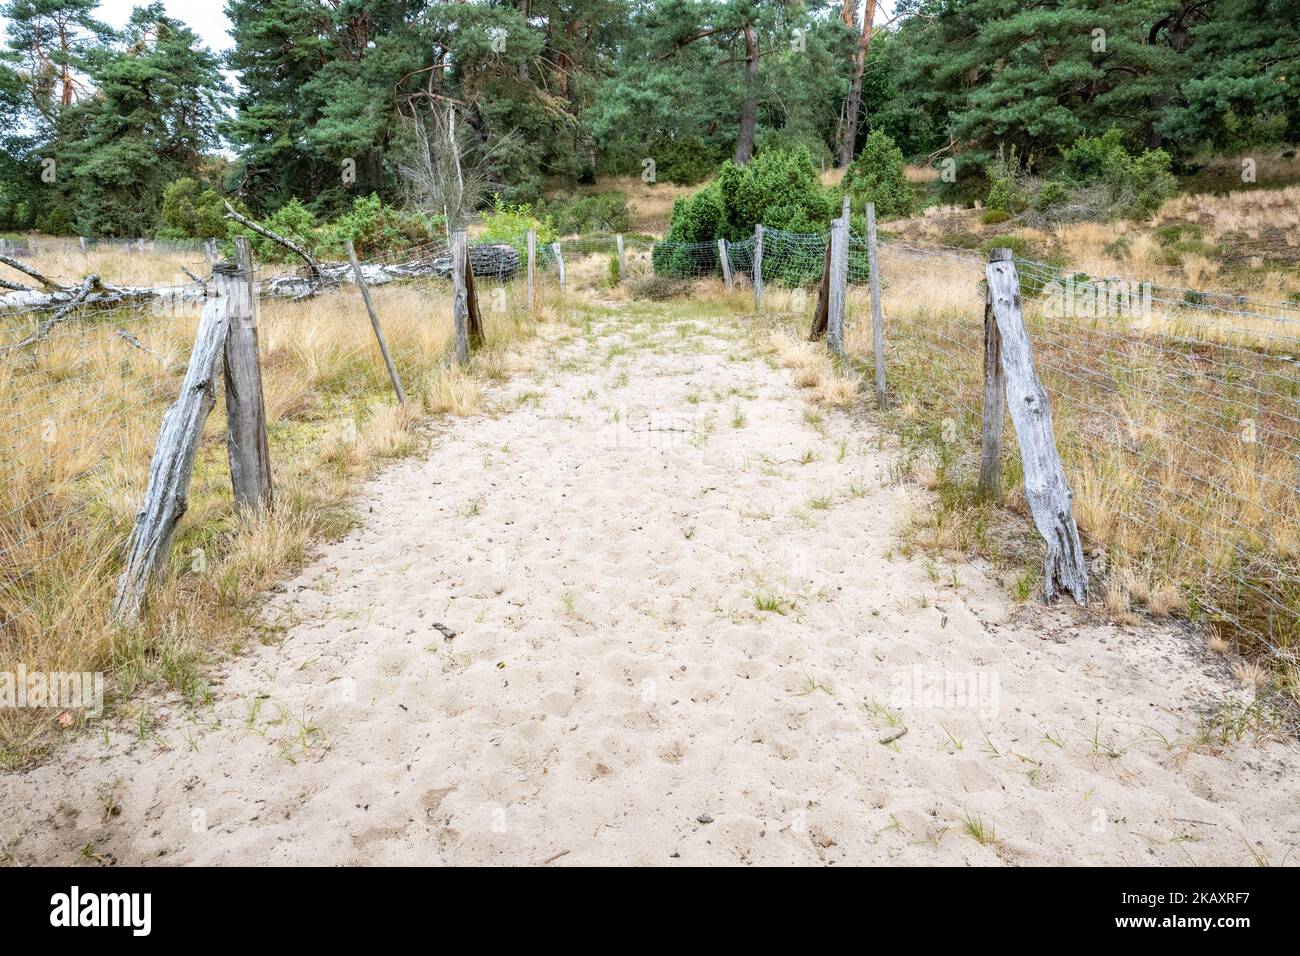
[613, 693]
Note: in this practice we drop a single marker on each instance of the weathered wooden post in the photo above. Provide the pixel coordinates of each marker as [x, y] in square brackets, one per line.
[460, 299]
[173, 461]
[726, 263]
[758, 268]
[877, 312]
[1046, 489]
[374, 321]
[81, 241]
[823, 287]
[837, 292]
[622, 259]
[994, 414]
[559, 262]
[532, 267]
[246, 443]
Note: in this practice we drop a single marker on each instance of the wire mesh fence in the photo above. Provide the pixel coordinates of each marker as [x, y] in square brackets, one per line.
[1177, 414]
[1177, 411]
[81, 403]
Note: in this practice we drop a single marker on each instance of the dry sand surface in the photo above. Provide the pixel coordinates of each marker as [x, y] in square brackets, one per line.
[600, 544]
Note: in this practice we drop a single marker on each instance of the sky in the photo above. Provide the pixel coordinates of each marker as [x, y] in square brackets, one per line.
[207, 18]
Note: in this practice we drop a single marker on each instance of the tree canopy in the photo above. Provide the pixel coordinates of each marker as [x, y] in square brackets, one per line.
[552, 93]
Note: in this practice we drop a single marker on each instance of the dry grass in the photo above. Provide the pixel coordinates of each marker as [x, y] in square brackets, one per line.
[651, 204]
[811, 368]
[61, 259]
[1180, 449]
[81, 414]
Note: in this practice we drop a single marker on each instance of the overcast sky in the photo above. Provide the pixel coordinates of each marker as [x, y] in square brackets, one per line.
[207, 18]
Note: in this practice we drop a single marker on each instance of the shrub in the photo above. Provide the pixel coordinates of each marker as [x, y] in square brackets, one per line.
[878, 175]
[190, 211]
[992, 217]
[510, 224]
[683, 161]
[375, 227]
[1007, 187]
[779, 189]
[293, 220]
[55, 221]
[597, 212]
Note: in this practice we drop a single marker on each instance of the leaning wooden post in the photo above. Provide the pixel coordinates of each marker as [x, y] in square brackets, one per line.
[995, 408]
[374, 322]
[877, 313]
[819, 310]
[758, 268]
[246, 444]
[173, 461]
[838, 290]
[473, 318]
[622, 259]
[460, 299]
[726, 263]
[532, 267]
[559, 262]
[1046, 489]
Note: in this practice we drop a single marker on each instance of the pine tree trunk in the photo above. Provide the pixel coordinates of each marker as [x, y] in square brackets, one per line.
[853, 105]
[749, 111]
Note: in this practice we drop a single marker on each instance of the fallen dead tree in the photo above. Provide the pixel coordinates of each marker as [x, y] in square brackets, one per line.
[498, 261]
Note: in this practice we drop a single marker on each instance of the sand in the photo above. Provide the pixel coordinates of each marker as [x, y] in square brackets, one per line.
[600, 545]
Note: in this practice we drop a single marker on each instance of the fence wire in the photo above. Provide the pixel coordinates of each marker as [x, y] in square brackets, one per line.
[1177, 411]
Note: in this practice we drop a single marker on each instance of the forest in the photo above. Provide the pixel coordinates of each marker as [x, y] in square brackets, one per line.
[319, 103]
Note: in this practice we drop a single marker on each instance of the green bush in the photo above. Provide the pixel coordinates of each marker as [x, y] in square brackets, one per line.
[510, 224]
[878, 175]
[55, 221]
[596, 212]
[683, 161]
[1132, 183]
[778, 188]
[293, 220]
[1006, 186]
[375, 228]
[992, 217]
[190, 211]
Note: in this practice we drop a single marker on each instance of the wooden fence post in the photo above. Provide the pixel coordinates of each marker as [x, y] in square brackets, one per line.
[246, 444]
[460, 300]
[374, 322]
[877, 312]
[532, 267]
[990, 483]
[819, 310]
[758, 268]
[622, 259]
[1046, 489]
[173, 461]
[837, 292]
[726, 263]
[559, 262]
[473, 318]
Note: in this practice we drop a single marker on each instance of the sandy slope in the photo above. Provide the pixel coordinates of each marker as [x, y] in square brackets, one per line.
[612, 693]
